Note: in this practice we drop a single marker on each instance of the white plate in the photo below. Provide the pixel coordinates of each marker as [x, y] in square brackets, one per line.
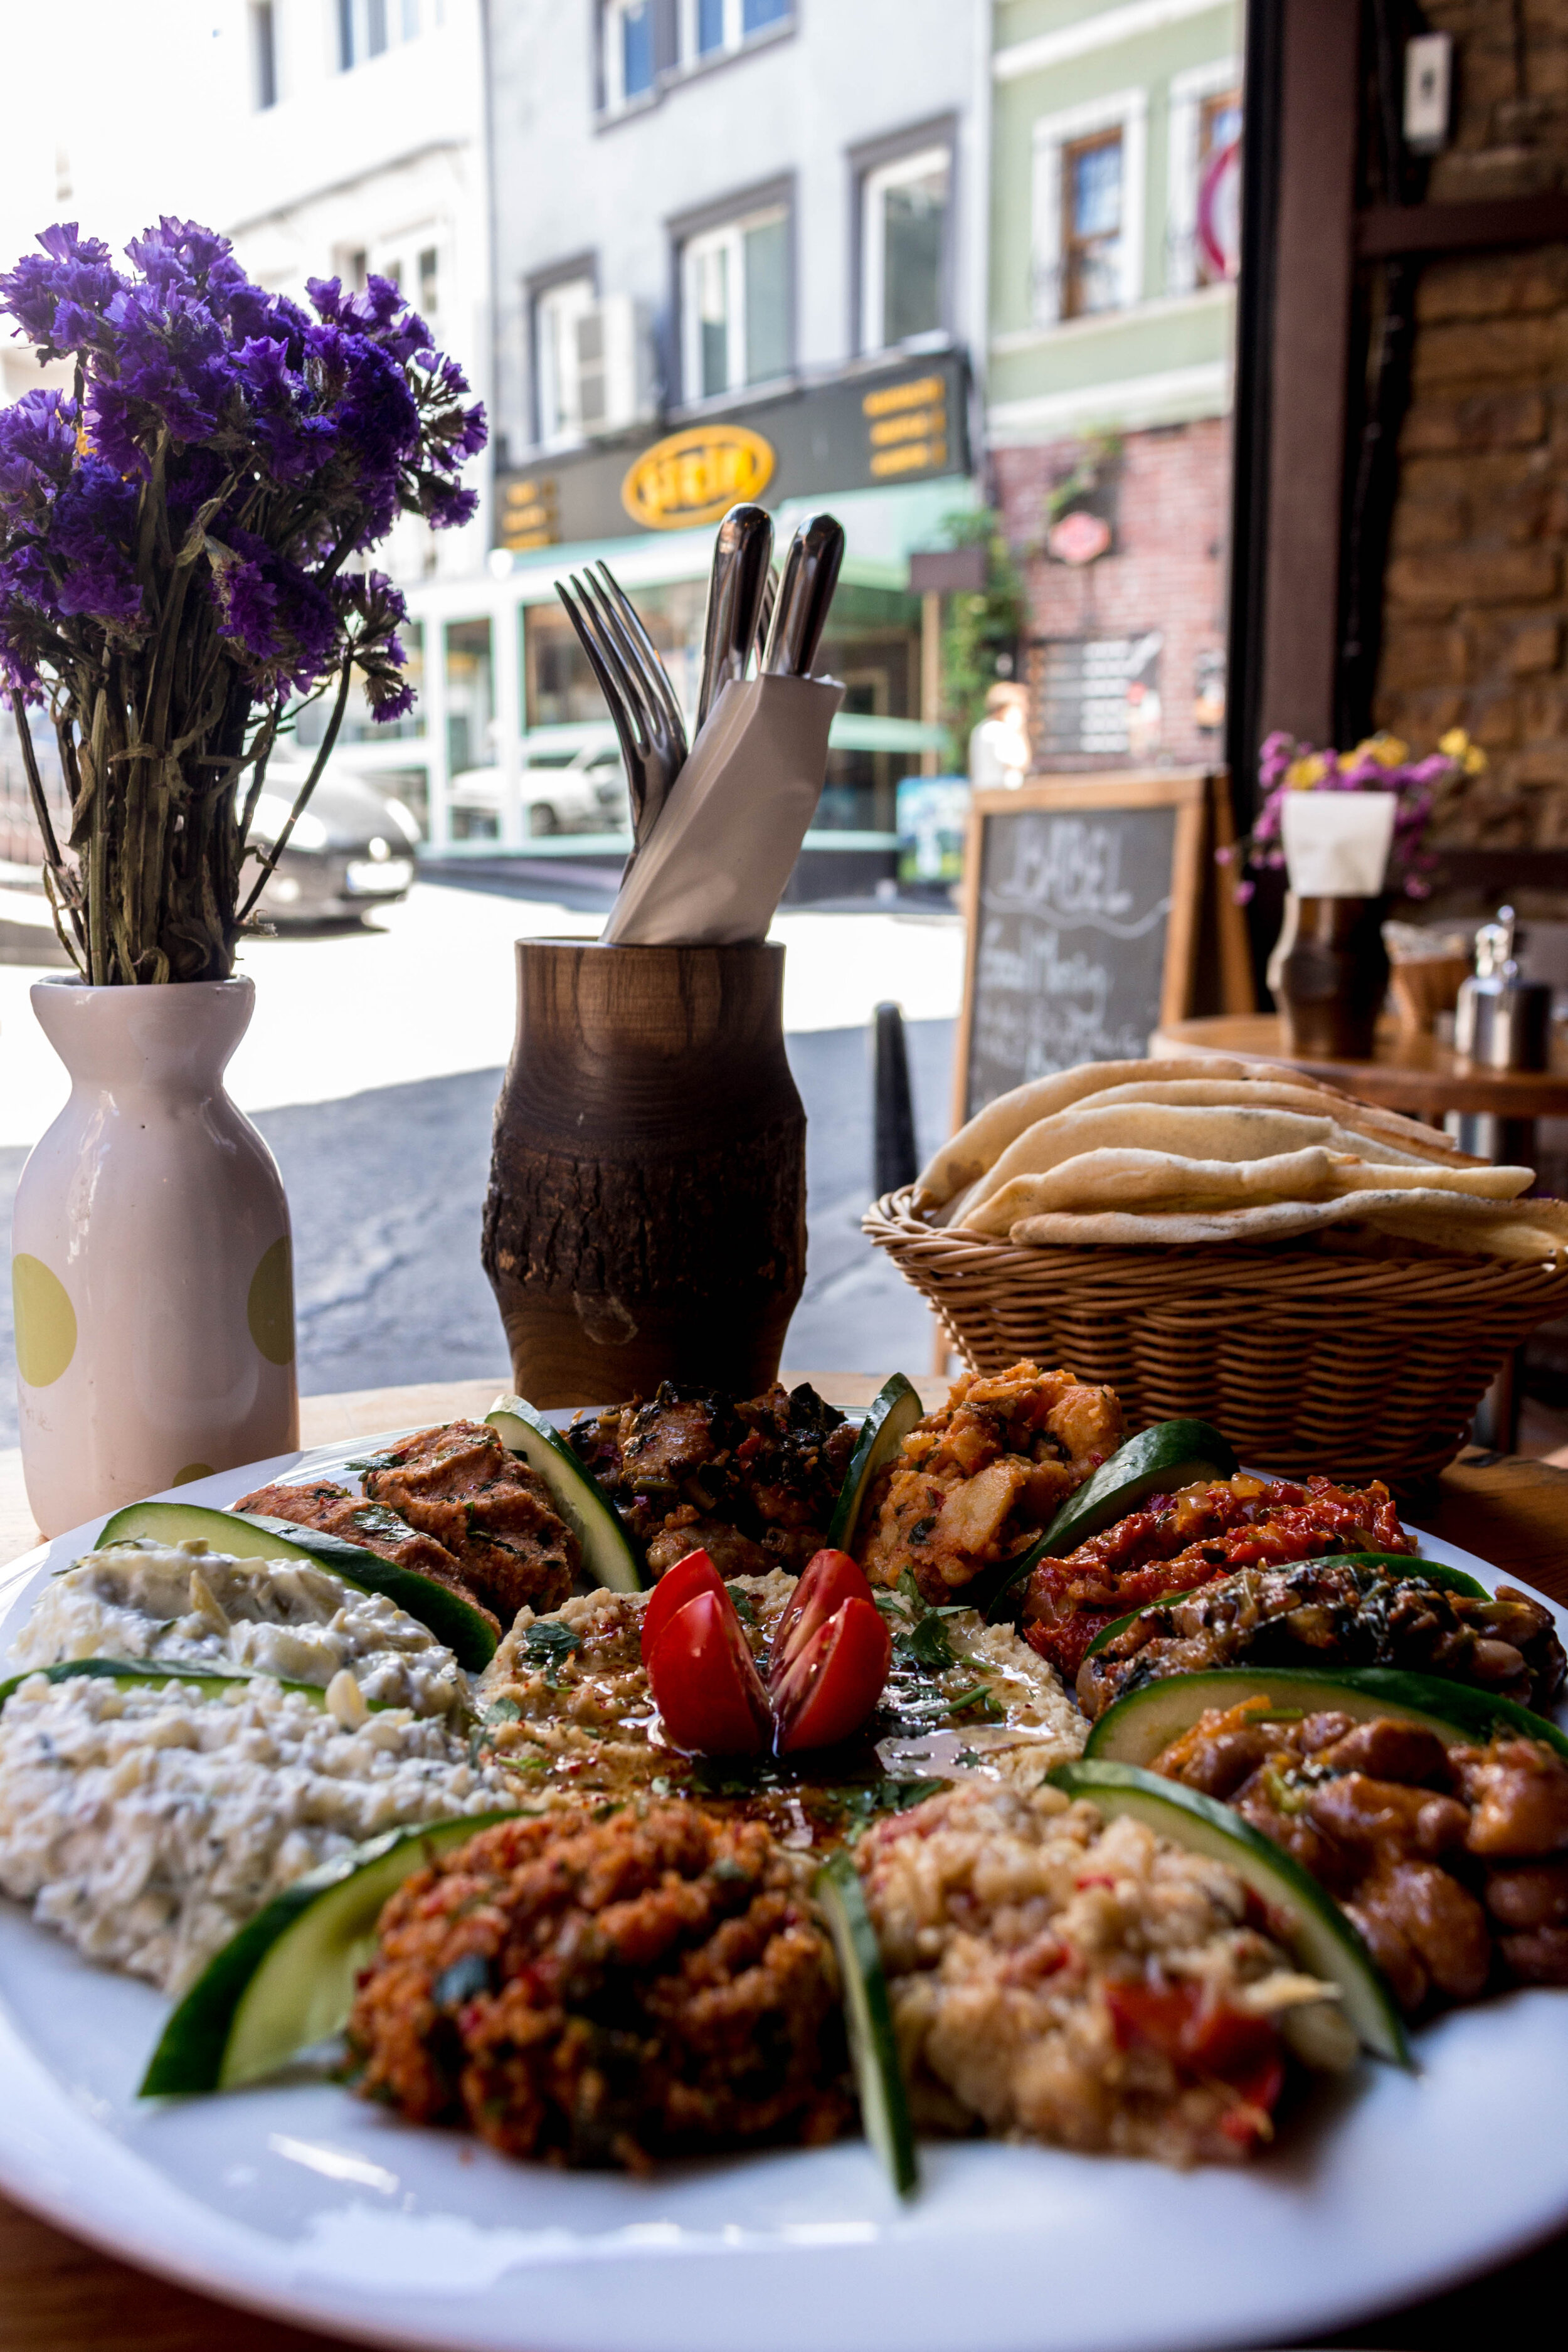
[307, 2203]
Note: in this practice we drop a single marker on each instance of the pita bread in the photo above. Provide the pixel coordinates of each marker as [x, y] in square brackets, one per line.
[1534, 1230]
[1483, 1182]
[1235, 1131]
[979, 1145]
[1153, 1180]
[1407, 1134]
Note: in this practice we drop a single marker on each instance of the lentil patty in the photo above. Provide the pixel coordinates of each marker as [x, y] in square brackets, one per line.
[606, 1993]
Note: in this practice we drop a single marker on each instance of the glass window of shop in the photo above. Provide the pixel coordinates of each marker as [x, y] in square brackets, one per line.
[561, 689]
[873, 643]
[735, 300]
[470, 696]
[904, 248]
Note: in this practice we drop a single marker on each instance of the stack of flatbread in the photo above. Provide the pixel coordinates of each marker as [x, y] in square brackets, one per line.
[1202, 1151]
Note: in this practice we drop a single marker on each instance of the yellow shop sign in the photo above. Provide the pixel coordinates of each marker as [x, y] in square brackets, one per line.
[697, 476]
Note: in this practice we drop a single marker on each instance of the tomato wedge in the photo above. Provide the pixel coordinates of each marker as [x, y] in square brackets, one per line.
[705, 1684]
[828, 1581]
[831, 1684]
[694, 1574]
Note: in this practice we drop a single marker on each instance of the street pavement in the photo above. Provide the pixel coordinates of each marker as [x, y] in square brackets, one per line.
[372, 1068]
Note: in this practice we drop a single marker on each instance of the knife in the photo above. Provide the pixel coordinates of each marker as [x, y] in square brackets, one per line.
[743, 553]
[806, 592]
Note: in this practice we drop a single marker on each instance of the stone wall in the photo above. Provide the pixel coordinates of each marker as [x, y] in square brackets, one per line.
[1166, 568]
[1476, 595]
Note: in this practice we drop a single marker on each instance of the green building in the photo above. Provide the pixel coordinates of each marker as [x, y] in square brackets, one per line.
[1115, 176]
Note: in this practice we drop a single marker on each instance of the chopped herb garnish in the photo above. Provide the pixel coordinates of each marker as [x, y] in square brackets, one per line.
[505, 1710]
[375, 1462]
[927, 1644]
[549, 1645]
[744, 1610]
[375, 1519]
[919, 1533]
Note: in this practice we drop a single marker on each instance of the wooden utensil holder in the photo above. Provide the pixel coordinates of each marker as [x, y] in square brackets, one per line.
[645, 1218]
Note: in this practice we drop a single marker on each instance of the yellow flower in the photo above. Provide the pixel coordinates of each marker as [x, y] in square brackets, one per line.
[1457, 746]
[1386, 748]
[1302, 774]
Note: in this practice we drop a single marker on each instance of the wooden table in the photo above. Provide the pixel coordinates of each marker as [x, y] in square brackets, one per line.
[56, 2294]
[1409, 1072]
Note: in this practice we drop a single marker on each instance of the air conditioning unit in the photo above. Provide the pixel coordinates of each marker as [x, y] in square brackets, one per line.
[615, 363]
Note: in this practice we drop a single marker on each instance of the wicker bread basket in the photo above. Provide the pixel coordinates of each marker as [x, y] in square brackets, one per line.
[1363, 1367]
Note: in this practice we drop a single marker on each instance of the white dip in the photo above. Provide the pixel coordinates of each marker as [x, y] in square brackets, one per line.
[148, 1822]
[196, 1608]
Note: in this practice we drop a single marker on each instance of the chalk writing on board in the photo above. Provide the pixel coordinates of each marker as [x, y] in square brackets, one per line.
[1070, 963]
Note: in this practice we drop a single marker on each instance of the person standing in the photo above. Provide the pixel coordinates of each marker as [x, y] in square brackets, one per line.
[999, 751]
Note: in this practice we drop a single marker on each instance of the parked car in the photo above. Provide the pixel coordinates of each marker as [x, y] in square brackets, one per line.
[351, 849]
[583, 791]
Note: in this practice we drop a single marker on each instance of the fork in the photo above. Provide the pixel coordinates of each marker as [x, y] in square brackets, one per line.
[641, 700]
[637, 686]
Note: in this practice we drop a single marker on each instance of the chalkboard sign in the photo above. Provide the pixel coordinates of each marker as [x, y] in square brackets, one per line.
[1083, 898]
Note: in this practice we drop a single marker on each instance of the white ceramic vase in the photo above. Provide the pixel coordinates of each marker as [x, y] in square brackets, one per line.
[151, 1259]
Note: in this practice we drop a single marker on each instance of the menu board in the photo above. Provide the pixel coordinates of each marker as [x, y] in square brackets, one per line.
[1083, 898]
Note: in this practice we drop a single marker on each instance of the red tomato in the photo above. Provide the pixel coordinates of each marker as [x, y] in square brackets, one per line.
[830, 1686]
[705, 1685]
[1203, 2037]
[694, 1574]
[830, 1578]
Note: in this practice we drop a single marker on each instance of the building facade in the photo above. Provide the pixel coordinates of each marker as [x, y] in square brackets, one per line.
[1115, 223]
[739, 252]
[354, 143]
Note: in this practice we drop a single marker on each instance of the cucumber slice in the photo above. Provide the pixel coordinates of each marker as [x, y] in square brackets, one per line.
[1435, 1572]
[247, 1535]
[1138, 1726]
[1301, 1914]
[894, 1411]
[873, 2045]
[1170, 1454]
[574, 1491]
[122, 1670]
[286, 1980]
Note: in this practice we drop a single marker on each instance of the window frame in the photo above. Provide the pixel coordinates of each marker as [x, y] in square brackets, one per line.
[578, 269]
[265, 79]
[690, 59]
[731, 216]
[1078, 250]
[1125, 111]
[356, 19]
[1187, 99]
[869, 160]
[614, 101]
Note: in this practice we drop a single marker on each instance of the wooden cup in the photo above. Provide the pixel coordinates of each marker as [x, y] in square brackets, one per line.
[645, 1218]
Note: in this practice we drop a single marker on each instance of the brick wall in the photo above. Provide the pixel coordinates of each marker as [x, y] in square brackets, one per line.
[1166, 569]
[1475, 597]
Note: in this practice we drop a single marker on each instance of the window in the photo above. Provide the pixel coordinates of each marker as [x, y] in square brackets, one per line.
[628, 32]
[709, 27]
[735, 304]
[264, 53]
[1091, 225]
[904, 222]
[429, 281]
[368, 29]
[1219, 128]
[1088, 167]
[557, 310]
[1206, 119]
[356, 269]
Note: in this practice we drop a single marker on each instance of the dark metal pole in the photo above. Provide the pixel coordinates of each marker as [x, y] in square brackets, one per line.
[895, 1161]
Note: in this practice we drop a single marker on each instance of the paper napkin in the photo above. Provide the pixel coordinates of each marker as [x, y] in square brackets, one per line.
[713, 869]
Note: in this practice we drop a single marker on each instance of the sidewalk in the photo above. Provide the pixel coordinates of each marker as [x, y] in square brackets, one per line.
[430, 991]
